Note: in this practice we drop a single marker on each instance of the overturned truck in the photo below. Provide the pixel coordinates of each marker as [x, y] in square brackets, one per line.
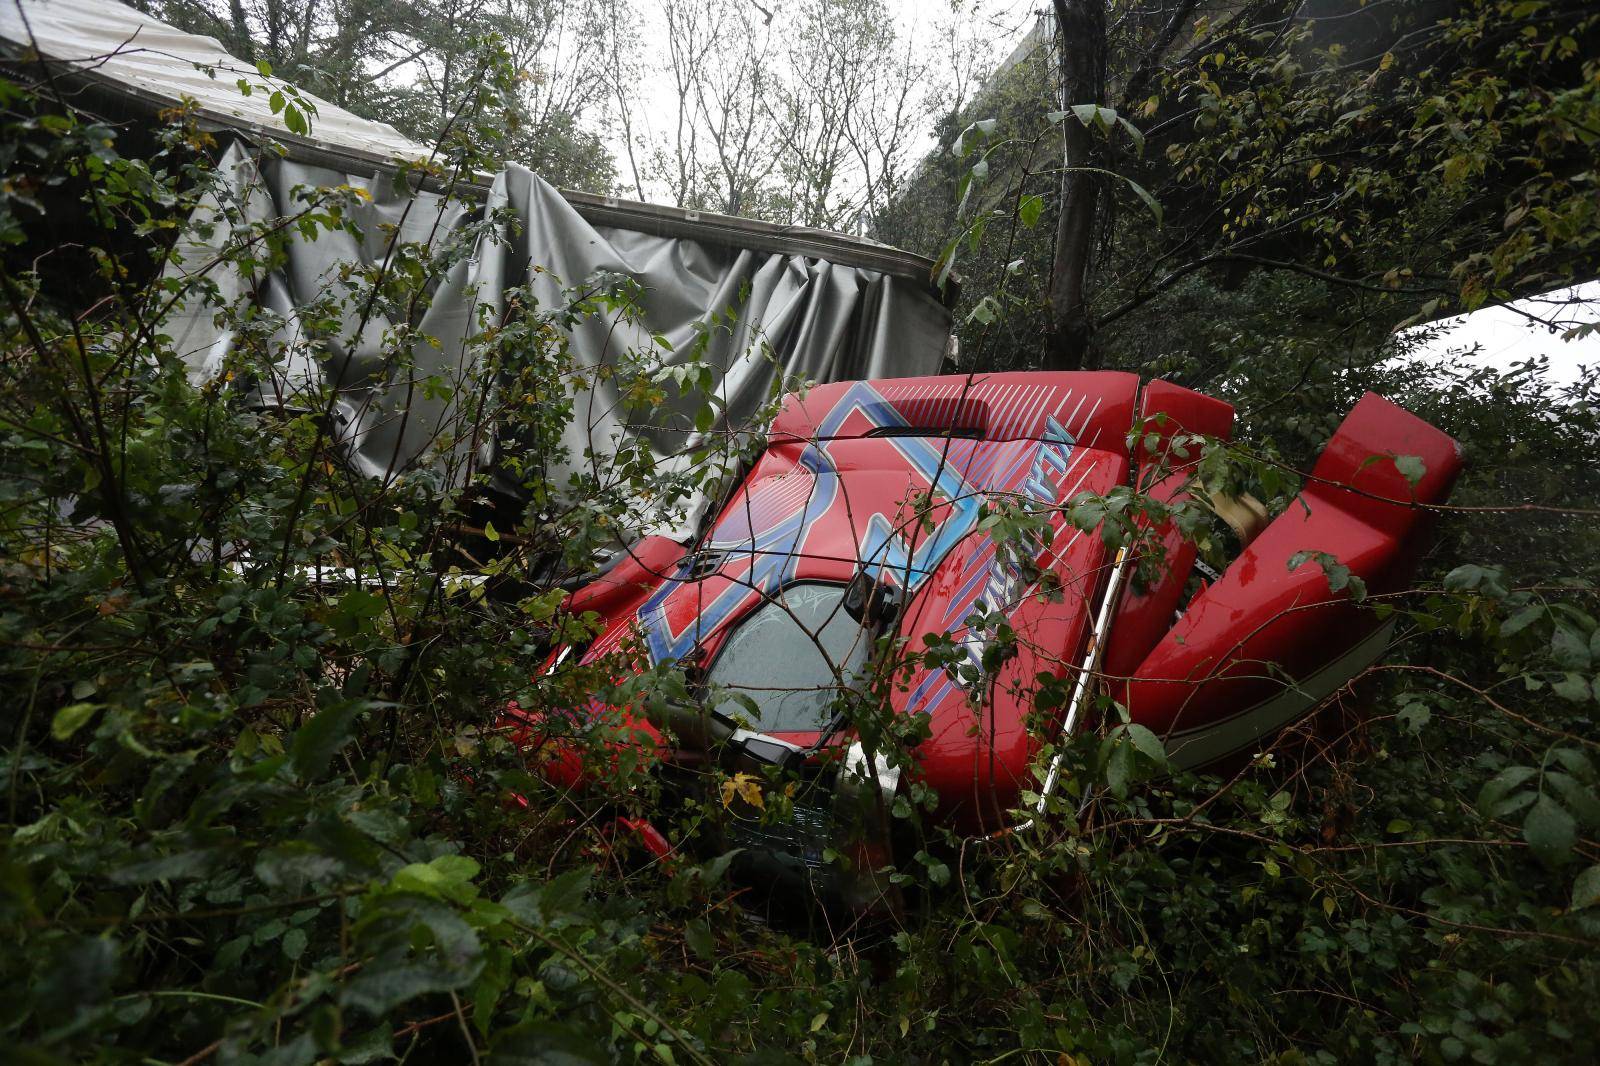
[872, 525]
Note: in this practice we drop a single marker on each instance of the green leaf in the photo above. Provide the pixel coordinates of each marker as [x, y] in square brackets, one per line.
[1577, 797]
[1094, 115]
[1499, 787]
[228, 956]
[356, 608]
[965, 141]
[1569, 648]
[444, 876]
[1148, 744]
[1134, 134]
[1144, 194]
[177, 866]
[983, 311]
[1586, 889]
[381, 988]
[1119, 767]
[1576, 762]
[1411, 468]
[295, 864]
[714, 870]
[329, 730]
[454, 939]
[1339, 576]
[697, 935]
[547, 904]
[938, 872]
[1522, 620]
[1574, 687]
[1471, 577]
[1030, 209]
[1413, 717]
[1549, 830]
[71, 718]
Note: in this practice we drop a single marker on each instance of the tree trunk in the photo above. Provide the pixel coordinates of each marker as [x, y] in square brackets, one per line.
[1082, 25]
[241, 45]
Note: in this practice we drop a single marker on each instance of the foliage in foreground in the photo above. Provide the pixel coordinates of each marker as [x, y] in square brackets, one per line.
[256, 815]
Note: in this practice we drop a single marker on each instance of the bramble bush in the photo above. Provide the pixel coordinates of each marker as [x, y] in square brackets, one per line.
[260, 806]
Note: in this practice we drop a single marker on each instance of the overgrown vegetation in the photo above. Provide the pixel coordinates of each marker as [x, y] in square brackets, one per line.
[259, 811]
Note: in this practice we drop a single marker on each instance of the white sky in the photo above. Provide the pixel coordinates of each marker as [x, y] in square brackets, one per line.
[1504, 335]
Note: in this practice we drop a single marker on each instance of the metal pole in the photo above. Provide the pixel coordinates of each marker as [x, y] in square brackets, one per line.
[1083, 691]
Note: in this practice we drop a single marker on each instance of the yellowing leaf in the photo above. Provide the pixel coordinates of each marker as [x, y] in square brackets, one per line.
[743, 786]
[71, 718]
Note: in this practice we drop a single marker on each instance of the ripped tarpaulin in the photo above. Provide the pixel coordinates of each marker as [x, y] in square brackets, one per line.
[755, 317]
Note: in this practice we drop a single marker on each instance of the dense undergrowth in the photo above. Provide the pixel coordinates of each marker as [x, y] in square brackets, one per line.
[258, 811]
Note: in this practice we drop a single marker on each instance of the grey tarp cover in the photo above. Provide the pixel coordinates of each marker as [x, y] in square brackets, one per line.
[794, 315]
[781, 311]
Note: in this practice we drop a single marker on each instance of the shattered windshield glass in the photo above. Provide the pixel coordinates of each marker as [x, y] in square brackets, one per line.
[788, 656]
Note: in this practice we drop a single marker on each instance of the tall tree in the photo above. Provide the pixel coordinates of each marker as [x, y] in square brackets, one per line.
[803, 114]
[1081, 25]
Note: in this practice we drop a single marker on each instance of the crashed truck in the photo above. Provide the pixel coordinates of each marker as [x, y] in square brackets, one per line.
[862, 518]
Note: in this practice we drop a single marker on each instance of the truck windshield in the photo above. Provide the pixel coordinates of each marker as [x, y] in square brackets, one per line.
[788, 656]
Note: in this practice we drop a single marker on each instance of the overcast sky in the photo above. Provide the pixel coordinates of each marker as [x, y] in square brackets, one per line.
[994, 25]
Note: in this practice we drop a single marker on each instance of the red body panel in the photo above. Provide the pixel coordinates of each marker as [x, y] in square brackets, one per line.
[980, 749]
[1250, 636]
[645, 565]
[1168, 414]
